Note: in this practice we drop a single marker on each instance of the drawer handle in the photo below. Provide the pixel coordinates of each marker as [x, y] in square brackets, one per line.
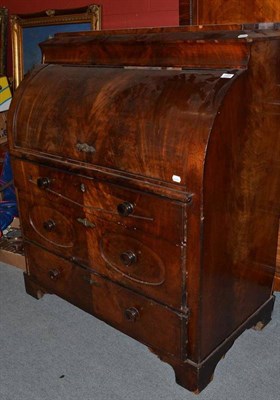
[125, 209]
[85, 148]
[43, 183]
[128, 258]
[49, 225]
[131, 314]
[54, 274]
[85, 222]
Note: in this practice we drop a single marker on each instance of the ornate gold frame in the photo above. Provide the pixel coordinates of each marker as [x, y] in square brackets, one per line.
[3, 39]
[91, 14]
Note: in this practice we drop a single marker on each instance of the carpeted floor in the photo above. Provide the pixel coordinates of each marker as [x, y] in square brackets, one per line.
[50, 350]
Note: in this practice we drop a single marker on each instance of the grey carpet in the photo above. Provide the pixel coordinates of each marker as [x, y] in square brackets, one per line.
[50, 350]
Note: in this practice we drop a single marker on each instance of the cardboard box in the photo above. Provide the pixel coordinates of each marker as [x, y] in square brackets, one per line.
[9, 254]
[14, 259]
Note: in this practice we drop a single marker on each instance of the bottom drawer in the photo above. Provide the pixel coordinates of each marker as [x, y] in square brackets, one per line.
[135, 315]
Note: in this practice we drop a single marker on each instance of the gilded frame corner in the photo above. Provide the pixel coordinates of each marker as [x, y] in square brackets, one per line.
[90, 14]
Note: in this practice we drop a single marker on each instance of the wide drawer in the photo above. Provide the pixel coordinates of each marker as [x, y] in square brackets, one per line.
[131, 208]
[143, 262]
[143, 319]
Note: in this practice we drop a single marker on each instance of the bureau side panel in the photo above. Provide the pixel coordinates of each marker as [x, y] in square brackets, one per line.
[241, 206]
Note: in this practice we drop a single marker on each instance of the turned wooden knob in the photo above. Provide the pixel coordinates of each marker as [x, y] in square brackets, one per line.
[43, 183]
[49, 225]
[125, 209]
[54, 274]
[131, 314]
[128, 258]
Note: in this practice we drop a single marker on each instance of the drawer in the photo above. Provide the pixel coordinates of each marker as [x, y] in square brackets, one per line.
[127, 311]
[143, 262]
[130, 208]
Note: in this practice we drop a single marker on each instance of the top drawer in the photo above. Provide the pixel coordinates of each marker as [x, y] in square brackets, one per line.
[132, 209]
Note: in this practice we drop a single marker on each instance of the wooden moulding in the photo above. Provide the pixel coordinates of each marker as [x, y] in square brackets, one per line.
[195, 48]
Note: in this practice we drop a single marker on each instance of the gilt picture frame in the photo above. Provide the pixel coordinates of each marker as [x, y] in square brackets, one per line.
[3, 40]
[28, 30]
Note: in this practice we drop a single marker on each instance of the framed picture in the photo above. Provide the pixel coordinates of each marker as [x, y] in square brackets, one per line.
[28, 30]
[3, 39]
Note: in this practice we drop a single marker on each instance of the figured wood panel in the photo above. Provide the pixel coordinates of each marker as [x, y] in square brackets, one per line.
[230, 11]
[109, 49]
[163, 117]
[241, 206]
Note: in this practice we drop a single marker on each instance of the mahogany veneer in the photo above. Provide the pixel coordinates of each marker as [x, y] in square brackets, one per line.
[196, 12]
[147, 169]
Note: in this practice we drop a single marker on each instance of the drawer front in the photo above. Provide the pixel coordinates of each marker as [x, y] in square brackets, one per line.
[130, 313]
[130, 208]
[143, 262]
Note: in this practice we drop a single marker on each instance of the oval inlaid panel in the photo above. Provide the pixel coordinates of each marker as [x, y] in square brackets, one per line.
[51, 225]
[146, 266]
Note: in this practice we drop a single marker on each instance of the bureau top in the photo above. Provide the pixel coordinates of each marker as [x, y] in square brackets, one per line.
[221, 46]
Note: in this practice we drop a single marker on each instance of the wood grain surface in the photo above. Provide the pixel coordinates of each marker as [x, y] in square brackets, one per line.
[198, 12]
[147, 171]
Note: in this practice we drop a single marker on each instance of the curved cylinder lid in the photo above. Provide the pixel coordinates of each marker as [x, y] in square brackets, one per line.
[147, 122]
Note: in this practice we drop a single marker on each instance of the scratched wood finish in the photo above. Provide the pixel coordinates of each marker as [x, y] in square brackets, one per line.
[194, 148]
[226, 12]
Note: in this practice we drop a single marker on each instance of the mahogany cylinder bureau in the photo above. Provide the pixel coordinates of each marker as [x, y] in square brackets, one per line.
[147, 169]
